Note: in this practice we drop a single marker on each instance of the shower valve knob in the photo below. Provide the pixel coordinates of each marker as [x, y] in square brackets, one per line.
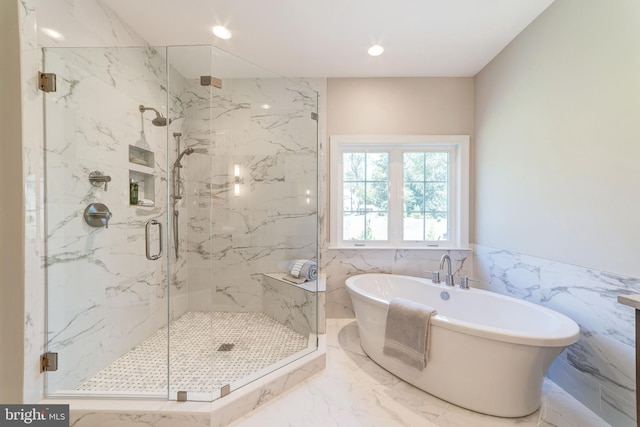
[97, 215]
[97, 178]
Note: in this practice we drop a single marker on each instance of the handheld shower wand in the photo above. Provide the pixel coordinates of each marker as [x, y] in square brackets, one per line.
[177, 193]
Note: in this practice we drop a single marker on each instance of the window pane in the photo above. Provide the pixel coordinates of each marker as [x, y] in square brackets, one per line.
[353, 166]
[365, 226]
[426, 196]
[377, 225]
[377, 197]
[353, 226]
[436, 197]
[365, 196]
[377, 166]
[413, 196]
[436, 226]
[437, 166]
[413, 226]
[414, 167]
[352, 196]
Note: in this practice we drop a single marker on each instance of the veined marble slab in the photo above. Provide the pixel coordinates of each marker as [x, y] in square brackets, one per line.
[599, 369]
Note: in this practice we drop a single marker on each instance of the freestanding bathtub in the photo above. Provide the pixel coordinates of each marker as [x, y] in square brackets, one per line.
[488, 352]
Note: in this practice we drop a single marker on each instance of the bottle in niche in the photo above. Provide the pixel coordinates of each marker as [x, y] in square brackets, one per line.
[133, 193]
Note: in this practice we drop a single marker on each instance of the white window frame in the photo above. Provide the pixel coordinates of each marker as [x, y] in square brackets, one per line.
[458, 199]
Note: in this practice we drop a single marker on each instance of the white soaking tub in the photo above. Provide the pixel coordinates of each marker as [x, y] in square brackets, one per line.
[488, 352]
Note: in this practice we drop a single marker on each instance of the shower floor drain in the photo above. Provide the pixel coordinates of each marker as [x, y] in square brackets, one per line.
[226, 347]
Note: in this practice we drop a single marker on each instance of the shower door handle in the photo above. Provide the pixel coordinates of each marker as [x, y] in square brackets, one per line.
[147, 239]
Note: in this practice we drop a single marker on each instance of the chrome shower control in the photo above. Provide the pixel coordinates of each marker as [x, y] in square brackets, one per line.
[97, 178]
[97, 215]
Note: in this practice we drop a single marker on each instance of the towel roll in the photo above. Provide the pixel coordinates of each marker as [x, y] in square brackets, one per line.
[304, 269]
[309, 270]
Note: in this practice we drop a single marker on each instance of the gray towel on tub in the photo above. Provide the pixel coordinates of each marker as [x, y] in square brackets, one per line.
[406, 335]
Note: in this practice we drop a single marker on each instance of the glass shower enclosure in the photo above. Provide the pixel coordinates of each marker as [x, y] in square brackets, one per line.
[180, 191]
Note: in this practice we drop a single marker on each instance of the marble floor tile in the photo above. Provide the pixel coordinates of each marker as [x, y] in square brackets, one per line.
[354, 391]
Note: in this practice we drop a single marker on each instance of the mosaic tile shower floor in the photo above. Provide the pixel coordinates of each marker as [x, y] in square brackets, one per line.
[196, 364]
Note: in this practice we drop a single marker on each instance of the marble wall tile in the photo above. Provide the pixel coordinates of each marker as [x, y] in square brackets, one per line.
[599, 369]
[290, 305]
[339, 264]
[590, 298]
[273, 218]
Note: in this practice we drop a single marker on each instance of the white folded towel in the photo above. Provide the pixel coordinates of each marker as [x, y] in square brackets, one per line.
[406, 335]
[146, 203]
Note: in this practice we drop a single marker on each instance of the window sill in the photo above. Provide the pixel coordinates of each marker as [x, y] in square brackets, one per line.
[395, 248]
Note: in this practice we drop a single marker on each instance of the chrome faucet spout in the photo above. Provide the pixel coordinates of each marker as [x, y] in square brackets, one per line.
[448, 276]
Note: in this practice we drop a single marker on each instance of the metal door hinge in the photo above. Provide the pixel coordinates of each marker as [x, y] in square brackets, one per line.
[49, 362]
[225, 390]
[210, 81]
[47, 82]
[314, 116]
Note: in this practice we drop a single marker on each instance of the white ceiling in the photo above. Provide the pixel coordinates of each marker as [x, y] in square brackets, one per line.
[330, 38]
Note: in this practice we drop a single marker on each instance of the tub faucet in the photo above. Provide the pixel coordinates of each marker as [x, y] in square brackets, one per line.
[448, 277]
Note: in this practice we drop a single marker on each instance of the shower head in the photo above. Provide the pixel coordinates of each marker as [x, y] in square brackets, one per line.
[186, 152]
[160, 120]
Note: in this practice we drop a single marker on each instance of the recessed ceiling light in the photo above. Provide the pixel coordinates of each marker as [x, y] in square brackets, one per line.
[375, 50]
[52, 33]
[265, 106]
[221, 32]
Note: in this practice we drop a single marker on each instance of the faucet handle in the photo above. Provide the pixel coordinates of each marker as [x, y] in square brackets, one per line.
[435, 275]
[97, 178]
[464, 282]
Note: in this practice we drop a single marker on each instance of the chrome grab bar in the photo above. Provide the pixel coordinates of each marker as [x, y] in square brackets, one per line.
[147, 240]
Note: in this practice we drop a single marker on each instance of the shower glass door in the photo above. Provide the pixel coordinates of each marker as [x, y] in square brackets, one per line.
[247, 211]
[106, 221]
[191, 158]
[181, 220]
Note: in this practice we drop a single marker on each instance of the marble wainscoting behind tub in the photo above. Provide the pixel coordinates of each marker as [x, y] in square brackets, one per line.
[599, 370]
[339, 264]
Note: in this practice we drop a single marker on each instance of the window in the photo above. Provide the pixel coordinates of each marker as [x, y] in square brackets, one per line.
[399, 191]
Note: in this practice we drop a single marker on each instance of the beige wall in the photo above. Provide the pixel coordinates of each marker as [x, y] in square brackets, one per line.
[403, 106]
[11, 210]
[558, 138]
[400, 106]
